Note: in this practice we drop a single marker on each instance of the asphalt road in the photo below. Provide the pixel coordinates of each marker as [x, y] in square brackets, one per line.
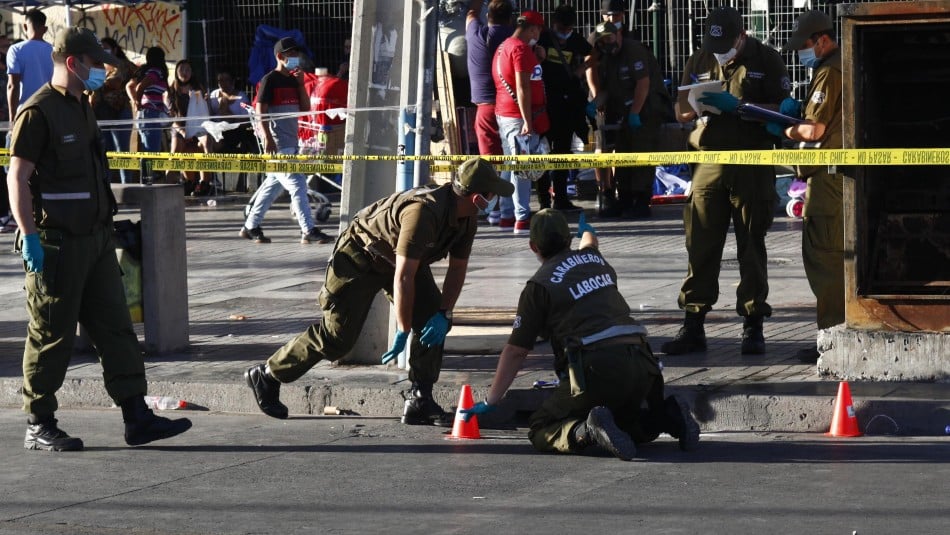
[251, 474]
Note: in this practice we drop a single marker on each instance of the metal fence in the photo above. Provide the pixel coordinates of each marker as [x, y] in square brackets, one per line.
[673, 28]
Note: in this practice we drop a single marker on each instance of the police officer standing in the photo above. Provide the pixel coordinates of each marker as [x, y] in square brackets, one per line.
[388, 246]
[743, 194]
[62, 201]
[630, 94]
[602, 358]
[823, 229]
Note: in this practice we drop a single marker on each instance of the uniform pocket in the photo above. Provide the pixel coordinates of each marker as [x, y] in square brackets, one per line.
[45, 282]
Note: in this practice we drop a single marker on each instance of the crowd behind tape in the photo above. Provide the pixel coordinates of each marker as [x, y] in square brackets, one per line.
[331, 163]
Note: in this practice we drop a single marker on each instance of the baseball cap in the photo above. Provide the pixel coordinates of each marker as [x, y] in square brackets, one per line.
[548, 224]
[723, 26]
[613, 6]
[75, 41]
[808, 24]
[285, 45]
[604, 29]
[476, 175]
[531, 18]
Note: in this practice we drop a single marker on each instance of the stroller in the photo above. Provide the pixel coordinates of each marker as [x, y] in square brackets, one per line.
[319, 202]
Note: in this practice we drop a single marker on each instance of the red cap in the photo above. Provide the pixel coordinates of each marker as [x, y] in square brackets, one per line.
[532, 18]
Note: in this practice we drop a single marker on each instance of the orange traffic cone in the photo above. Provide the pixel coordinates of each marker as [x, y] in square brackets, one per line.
[844, 422]
[461, 428]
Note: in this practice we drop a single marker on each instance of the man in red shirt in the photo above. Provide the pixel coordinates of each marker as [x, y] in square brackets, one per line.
[520, 108]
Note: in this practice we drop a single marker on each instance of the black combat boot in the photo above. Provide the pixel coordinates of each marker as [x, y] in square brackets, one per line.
[42, 433]
[600, 429]
[681, 424]
[142, 426]
[421, 409]
[266, 391]
[690, 338]
[607, 205]
[753, 341]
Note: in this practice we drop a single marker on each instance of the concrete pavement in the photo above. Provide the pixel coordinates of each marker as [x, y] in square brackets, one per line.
[274, 287]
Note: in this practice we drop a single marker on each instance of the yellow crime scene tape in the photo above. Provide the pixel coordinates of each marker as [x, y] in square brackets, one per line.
[311, 164]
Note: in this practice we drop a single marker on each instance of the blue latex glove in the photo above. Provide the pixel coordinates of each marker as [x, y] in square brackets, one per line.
[433, 334]
[791, 107]
[723, 101]
[399, 344]
[592, 109]
[481, 407]
[583, 226]
[776, 129]
[32, 252]
[633, 121]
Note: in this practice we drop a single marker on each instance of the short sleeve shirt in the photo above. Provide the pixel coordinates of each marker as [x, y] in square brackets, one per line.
[32, 60]
[281, 93]
[514, 55]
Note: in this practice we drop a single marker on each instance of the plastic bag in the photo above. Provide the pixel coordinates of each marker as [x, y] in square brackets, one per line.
[531, 144]
[197, 113]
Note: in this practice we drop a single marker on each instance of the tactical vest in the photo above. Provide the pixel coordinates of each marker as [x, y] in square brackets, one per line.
[70, 186]
[584, 299]
[377, 226]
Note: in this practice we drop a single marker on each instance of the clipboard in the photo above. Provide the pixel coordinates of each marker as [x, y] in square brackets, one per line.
[688, 96]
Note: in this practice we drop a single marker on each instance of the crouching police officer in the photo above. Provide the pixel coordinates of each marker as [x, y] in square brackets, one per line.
[605, 366]
[388, 247]
[63, 204]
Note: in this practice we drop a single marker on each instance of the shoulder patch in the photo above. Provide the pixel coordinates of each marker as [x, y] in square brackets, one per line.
[818, 97]
[786, 83]
[638, 66]
[517, 323]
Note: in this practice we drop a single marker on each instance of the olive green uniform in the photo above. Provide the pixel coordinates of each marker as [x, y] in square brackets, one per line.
[619, 74]
[81, 281]
[742, 194]
[573, 301]
[823, 229]
[420, 223]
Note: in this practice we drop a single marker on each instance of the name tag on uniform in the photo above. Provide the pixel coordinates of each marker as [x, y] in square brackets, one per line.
[69, 138]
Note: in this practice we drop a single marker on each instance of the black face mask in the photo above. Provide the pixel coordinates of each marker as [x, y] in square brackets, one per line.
[607, 48]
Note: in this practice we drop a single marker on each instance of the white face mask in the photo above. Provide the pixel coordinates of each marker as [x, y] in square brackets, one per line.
[727, 57]
[532, 42]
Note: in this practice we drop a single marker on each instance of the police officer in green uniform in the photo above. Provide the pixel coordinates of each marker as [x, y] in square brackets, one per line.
[742, 194]
[823, 229]
[605, 365]
[388, 247]
[630, 94]
[63, 204]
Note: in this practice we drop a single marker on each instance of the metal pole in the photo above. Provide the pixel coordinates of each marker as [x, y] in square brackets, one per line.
[427, 50]
[204, 39]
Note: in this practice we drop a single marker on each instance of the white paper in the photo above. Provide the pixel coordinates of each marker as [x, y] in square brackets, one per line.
[695, 91]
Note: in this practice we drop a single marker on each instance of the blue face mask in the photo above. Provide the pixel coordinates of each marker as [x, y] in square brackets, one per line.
[563, 36]
[96, 79]
[292, 63]
[808, 58]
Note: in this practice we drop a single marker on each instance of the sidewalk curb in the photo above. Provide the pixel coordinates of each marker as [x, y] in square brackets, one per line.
[717, 410]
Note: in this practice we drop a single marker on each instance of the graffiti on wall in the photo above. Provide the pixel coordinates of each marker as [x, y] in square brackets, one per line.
[135, 28]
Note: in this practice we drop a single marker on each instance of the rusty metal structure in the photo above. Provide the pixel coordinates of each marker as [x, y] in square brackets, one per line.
[896, 65]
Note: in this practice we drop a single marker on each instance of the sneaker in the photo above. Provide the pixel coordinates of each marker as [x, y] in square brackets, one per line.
[685, 428]
[494, 218]
[47, 436]
[266, 391]
[255, 234]
[604, 431]
[506, 223]
[522, 226]
[315, 235]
